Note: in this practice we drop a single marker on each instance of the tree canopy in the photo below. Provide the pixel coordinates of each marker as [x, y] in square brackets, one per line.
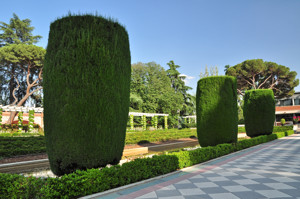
[259, 74]
[152, 91]
[27, 61]
[17, 31]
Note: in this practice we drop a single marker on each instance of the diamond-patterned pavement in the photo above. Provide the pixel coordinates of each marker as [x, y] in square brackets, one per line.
[271, 170]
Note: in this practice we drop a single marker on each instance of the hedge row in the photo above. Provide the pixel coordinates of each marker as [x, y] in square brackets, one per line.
[81, 183]
[13, 146]
[275, 129]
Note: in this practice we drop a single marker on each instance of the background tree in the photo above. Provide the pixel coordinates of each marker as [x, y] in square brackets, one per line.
[27, 61]
[213, 71]
[17, 31]
[177, 83]
[257, 74]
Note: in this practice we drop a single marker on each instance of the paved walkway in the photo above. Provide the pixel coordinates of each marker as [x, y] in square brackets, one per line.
[270, 170]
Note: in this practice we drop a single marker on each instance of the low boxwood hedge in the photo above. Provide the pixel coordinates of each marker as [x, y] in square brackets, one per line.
[81, 183]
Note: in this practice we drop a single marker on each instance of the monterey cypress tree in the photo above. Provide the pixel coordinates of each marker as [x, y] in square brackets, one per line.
[259, 112]
[216, 106]
[86, 92]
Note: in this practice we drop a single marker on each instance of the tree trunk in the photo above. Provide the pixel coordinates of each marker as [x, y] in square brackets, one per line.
[14, 113]
[12, 85]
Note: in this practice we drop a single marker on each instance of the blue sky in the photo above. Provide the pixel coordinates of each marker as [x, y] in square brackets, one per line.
[193, 33]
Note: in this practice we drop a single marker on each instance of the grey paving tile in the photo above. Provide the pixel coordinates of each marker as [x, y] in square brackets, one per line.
[273, 194]
[283, 179]
[188, 192]
[198, 180]
[292, 192]
[248, 195]
[167, 193]
[214, 190]
[264, 180]
[255, 187]
[226, 183]
[185, 186]
[279, 186]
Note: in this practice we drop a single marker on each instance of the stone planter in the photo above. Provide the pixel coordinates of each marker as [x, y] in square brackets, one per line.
[295, 127]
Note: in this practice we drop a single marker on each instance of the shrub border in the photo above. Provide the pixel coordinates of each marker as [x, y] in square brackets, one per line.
[82, 183]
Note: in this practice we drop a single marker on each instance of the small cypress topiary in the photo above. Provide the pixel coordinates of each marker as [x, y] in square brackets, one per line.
[259, 112]
[86, 92]
[216, 106]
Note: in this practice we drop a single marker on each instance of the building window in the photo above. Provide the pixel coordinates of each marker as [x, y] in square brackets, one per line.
[286, 102]
[297, 101]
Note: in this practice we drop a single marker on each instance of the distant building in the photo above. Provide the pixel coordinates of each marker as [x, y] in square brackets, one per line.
[288, 107]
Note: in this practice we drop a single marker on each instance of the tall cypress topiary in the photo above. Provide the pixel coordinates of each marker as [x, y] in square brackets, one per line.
[259, 112]
[216, 107]
[86, 92]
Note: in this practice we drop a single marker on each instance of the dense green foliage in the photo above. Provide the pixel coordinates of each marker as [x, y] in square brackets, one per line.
[259, 74]
[217, 120]
[14, 146]
[259, 112]
[86, 92]
[18, 32]
[81, 183]
[150, 93]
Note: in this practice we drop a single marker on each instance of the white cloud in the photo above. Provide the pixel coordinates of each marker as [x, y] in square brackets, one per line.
[187, 78]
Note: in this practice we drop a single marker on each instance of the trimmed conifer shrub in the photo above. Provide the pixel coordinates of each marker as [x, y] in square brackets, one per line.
[216, 106]
[86, 92]
[259, 112]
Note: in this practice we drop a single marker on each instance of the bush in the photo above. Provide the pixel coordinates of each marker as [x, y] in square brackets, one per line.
[81, 183]
[13, 146]
[282, 121]
[259, 112]
[86, 92]
[216, 106]
[282, 128]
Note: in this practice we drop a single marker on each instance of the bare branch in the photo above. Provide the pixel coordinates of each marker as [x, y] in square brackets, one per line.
[35, 90]
[264, 82]
[240, 92]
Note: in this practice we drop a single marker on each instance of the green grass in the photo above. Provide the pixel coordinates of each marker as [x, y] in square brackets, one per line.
[159, 135]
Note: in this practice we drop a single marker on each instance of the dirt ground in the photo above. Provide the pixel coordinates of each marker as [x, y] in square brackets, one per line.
[45, 156]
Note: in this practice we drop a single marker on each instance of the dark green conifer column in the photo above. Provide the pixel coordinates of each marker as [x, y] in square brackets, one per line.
[259, 112]
[86, 92]
[216, 106]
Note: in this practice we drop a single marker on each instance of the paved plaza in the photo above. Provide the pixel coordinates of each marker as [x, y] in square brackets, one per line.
[270, 170]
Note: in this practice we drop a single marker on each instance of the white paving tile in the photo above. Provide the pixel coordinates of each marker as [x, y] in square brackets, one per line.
[206, 184]
[245, 182]
[217, 179]
[236, 188]
[223, 196]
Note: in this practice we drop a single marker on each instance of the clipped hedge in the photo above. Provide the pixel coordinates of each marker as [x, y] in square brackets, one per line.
[216, 106]
[81, 183]
[86, 92]
[14, 146]
[259, 112]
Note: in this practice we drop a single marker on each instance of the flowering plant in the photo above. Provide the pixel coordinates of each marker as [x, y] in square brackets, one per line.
[296, 119]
